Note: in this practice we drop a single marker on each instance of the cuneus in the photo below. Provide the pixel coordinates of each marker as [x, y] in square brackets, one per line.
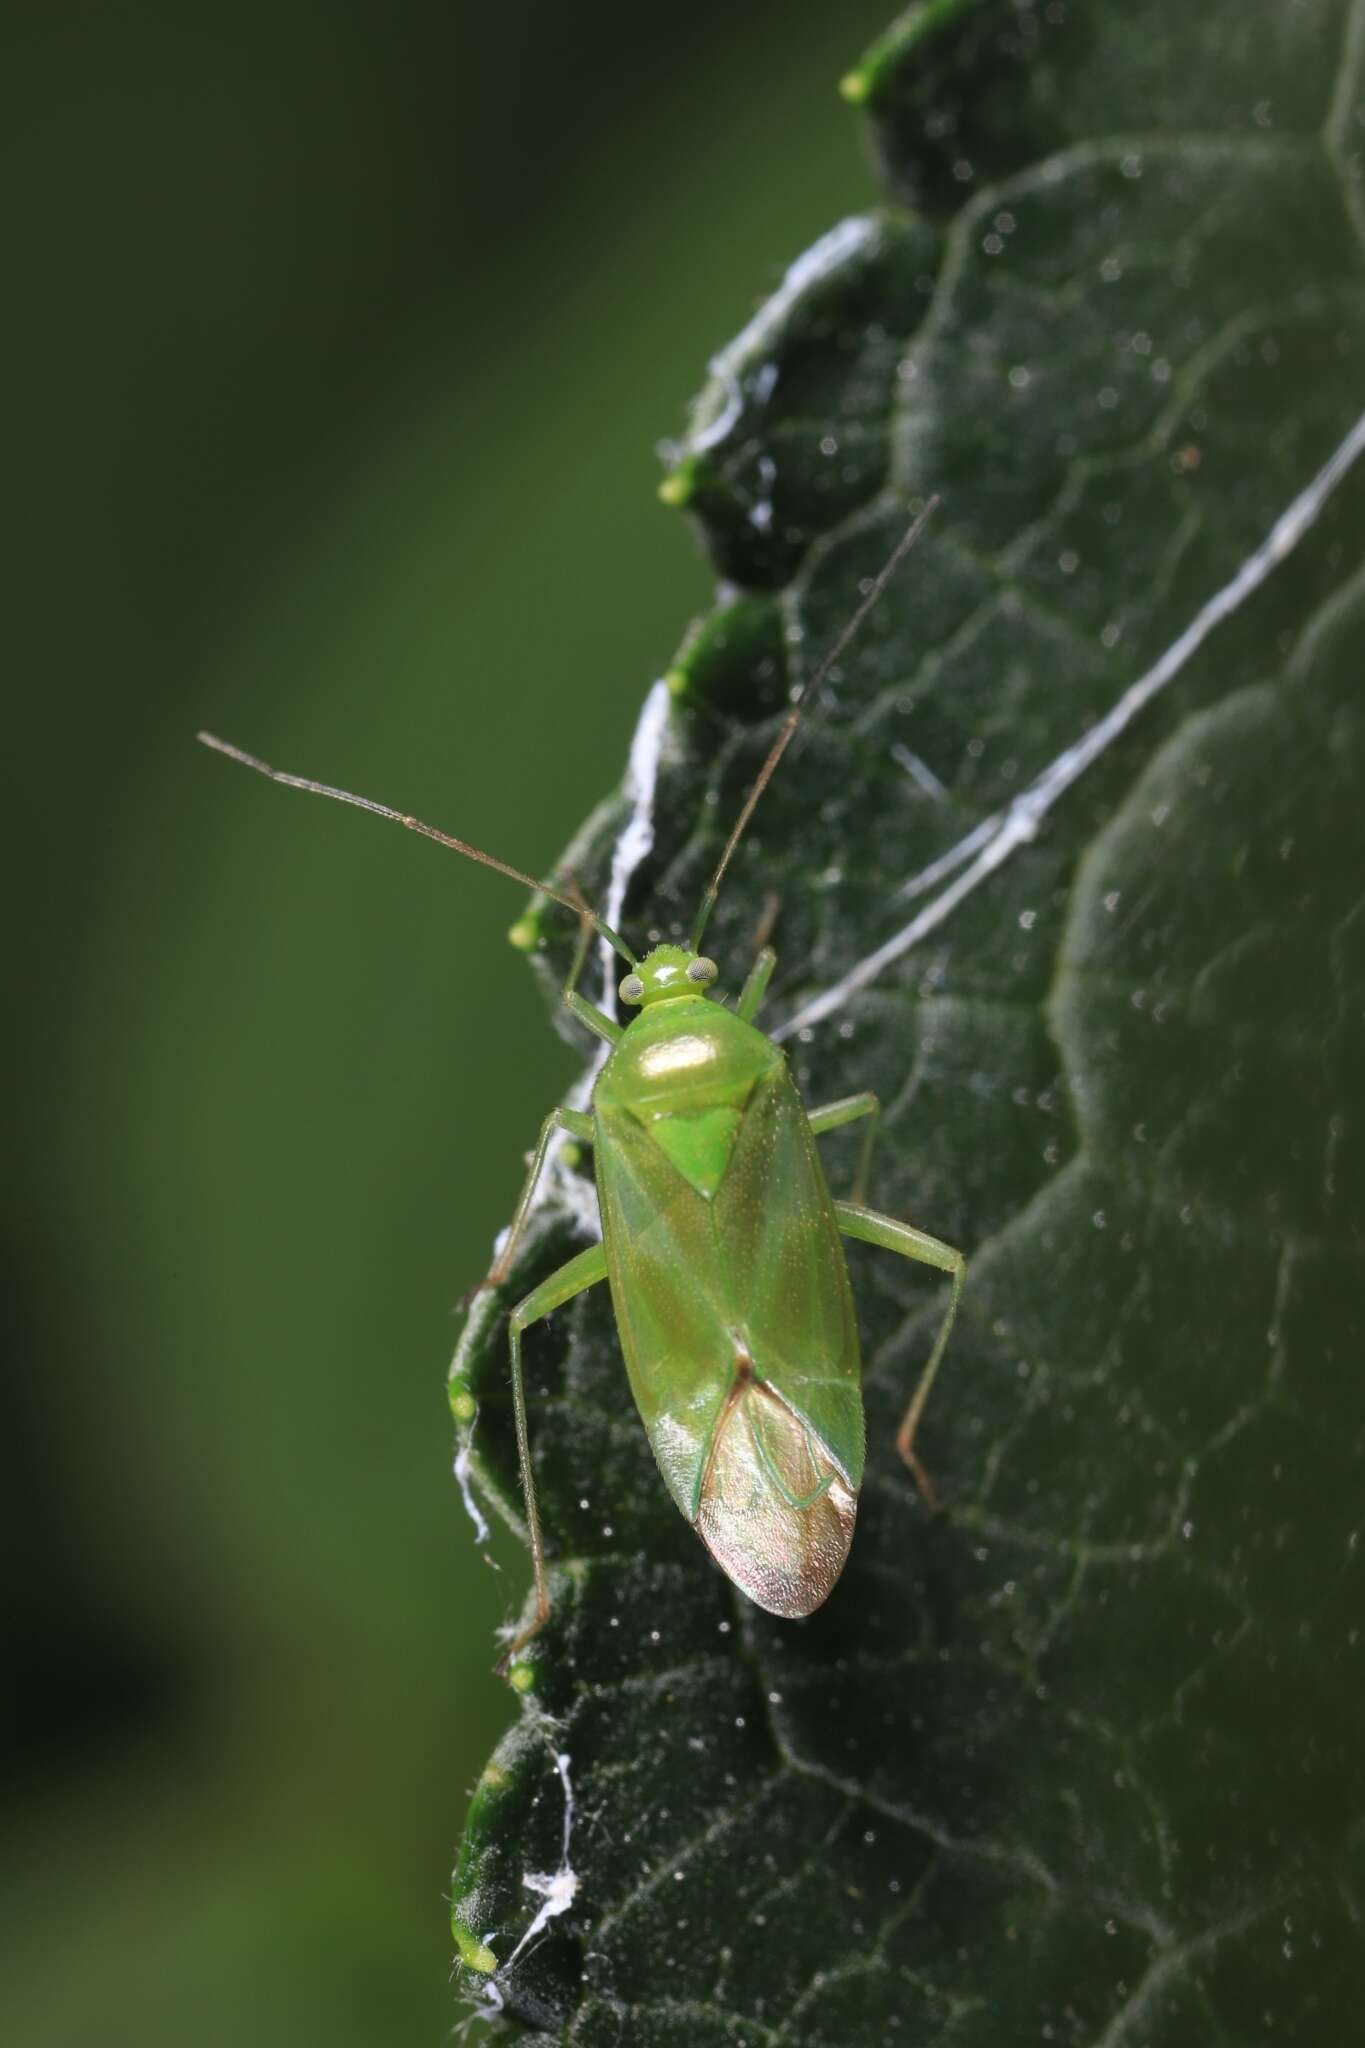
[721, 1244]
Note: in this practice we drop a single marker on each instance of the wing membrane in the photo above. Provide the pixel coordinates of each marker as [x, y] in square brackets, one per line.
[775, 1512]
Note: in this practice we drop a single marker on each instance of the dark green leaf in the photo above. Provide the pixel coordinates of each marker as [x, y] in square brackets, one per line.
[1079, 1760]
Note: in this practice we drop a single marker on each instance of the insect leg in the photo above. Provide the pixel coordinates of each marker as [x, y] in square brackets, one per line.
[751, 995]
[578, 1126]
[874, 1228]
[845, 1111]
[587, 1013]
[575, 1277]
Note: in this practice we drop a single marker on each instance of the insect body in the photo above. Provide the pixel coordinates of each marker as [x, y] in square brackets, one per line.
[722, 1247]
[730, 1290]
[721, 1243]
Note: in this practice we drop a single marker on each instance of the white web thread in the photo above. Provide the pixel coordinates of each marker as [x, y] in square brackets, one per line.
[848, 239]
[556, 1889]
[633, 845]
[637, 835]
[462, 1457]
[992, 842]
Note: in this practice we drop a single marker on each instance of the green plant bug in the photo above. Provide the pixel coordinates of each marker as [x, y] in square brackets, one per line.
[721, 1244]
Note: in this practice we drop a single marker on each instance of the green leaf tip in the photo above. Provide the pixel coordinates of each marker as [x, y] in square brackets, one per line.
[473, 1953]
[908, 36]
[463, 1406]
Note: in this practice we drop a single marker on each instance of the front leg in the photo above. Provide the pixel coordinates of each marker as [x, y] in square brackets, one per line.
[873, 1228]
[759, 975]
[587, 1013]
[578, 1126]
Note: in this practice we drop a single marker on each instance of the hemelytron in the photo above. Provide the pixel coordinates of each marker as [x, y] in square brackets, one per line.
[721, 1245]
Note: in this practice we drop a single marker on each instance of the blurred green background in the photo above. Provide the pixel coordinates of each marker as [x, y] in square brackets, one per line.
[340, 338]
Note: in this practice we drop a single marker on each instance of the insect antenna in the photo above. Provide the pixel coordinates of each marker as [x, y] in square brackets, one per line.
[575, 902]
[793, 717]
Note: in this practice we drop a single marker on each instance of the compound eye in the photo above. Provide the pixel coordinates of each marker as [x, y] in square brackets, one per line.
[702, 969]
[632, 989]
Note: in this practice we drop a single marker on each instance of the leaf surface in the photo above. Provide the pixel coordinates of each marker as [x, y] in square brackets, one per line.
[1077, 1760]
